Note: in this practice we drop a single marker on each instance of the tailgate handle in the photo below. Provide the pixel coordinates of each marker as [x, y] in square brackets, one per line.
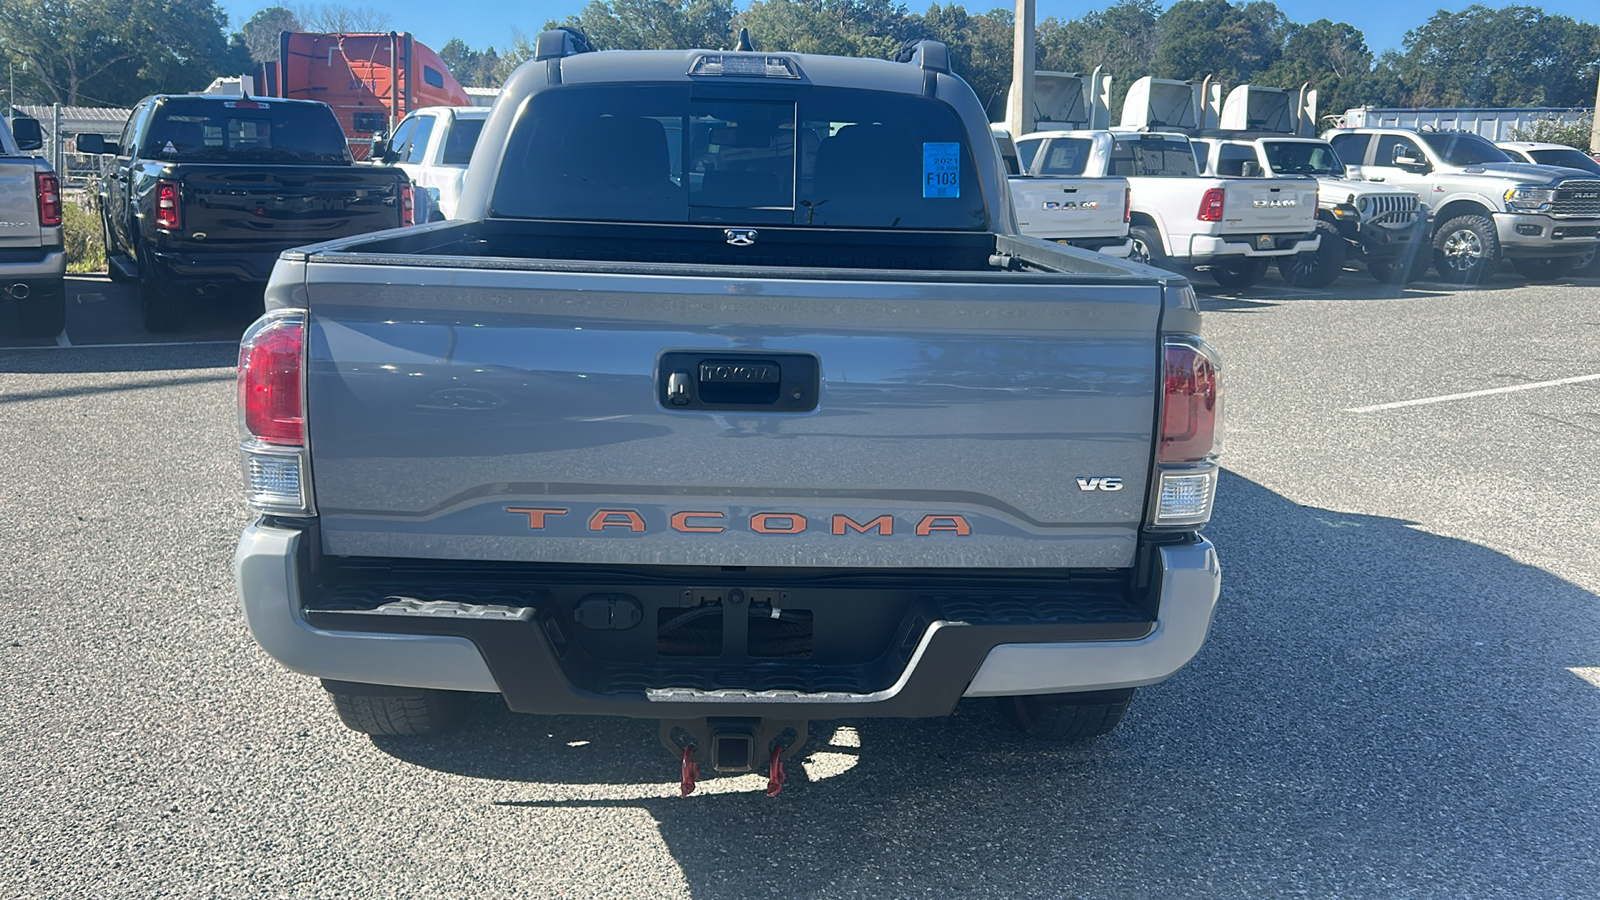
[720, 380]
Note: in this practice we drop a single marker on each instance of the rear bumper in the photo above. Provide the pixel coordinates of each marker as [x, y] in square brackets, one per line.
[511, 651]
[1536, 237]
[255, 266]
[48, 263]
[1204, 247]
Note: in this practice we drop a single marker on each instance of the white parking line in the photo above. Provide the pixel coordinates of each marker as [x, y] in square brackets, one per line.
[1576, 379]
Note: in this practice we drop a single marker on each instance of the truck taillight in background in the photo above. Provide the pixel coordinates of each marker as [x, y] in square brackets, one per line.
[1211, 206]
[408, 204]
[1191, 433]
[169, 207]
[272, 415]
[49, 190]
[1127, 205]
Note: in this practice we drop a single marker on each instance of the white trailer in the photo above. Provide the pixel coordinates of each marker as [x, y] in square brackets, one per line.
[1494, 124]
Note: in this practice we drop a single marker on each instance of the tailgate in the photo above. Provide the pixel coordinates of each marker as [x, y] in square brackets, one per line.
[1053, 208]
[259, 208]
[19, 204]
[1270, 204]
[514, 415]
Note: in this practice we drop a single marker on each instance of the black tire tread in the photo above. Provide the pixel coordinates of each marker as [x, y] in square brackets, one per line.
[1331, 253]
[1062, 718]
[412, 713]
[1491, 247]
[1152, 240]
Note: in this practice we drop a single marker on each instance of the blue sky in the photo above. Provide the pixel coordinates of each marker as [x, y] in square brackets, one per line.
[484, 23]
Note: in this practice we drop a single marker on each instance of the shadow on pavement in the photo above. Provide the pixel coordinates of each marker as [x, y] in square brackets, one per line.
[100, 311]
[1379, 712]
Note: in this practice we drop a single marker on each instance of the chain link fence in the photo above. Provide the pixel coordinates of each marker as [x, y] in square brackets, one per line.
[61, 126]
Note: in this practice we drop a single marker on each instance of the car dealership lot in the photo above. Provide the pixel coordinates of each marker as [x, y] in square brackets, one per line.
[1400, 697]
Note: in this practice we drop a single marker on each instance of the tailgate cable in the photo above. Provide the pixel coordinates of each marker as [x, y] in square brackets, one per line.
[691, 772]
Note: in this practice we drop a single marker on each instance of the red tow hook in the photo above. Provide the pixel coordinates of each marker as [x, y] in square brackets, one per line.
[691, 772]
[775, 773]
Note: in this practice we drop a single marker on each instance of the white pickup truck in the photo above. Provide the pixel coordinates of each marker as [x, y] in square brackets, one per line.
[1486, 207]
[433, 146]
[1232, 227]
[1055, 202]
[33, 263]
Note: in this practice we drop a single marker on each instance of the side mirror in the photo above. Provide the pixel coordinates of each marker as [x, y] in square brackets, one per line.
[380, 147]
[29, 135]
[1250, 170]
[94, 143]
[1405, 159]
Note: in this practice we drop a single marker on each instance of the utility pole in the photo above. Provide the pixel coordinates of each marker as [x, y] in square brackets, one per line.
[1594, 130]
[1019, 108]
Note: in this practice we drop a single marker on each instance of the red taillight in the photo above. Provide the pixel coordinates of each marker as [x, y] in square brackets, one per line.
[408, 205]
[169, 208]
[1127, 205]
[1190, 413]
[49, 200]
[1211, 206]
[269, 383]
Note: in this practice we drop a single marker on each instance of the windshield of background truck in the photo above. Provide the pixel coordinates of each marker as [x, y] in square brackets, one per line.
[1303, 158]
[1566, 156]
[195, 130]
[800, 156]
[1066, 156]
[1464, 149]
[1151, 156]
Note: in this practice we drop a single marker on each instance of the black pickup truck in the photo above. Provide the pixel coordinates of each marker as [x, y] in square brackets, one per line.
[206, 191]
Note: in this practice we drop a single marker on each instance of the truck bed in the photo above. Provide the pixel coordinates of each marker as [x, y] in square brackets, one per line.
[797, 252]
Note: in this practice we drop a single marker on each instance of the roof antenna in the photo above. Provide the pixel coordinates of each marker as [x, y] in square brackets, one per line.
[744, 40]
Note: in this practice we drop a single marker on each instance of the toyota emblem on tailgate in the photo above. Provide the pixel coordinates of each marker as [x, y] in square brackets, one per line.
[740, 237]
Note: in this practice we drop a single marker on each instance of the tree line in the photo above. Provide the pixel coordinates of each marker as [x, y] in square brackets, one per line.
[1515, 56]
[108, 52]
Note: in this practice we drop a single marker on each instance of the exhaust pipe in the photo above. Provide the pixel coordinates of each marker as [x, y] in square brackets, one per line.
[19, 291]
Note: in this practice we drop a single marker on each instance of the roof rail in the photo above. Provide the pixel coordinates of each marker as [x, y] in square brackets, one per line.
[932, 55]
[561, 42]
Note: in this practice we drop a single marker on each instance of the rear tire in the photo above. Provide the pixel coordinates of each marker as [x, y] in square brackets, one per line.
[1318, 268]
[382, 710]
[161, 309]
[1465, 249]
[1067, 717]
[1147, 247]
[1237, 276]
[1546, 269]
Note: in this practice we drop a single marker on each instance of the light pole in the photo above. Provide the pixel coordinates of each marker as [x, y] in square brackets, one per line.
[1594, 130]
[1019, 107]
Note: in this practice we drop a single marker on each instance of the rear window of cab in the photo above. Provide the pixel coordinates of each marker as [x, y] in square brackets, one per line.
[824, 157]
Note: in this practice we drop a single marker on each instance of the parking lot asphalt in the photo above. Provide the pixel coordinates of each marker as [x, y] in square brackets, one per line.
[1400, 697]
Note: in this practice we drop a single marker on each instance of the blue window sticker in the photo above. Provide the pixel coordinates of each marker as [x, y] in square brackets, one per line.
[941, 170]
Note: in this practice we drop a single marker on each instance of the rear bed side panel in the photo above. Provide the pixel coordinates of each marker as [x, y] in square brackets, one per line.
[439, 399]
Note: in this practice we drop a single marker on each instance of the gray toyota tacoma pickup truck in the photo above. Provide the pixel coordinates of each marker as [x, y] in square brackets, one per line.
[698, 413]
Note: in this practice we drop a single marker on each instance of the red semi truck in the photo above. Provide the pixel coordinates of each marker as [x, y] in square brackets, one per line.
[371, 80]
